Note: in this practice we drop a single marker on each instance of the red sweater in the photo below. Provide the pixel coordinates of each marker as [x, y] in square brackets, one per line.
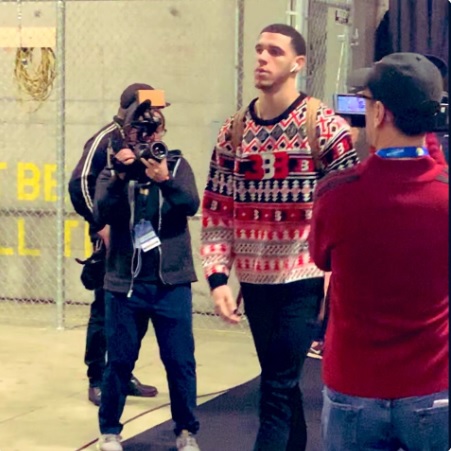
[434, 147]
[257, 204]
[382, 229]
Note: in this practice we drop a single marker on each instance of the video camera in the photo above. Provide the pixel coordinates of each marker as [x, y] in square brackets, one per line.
[352, 107]
[142, 127]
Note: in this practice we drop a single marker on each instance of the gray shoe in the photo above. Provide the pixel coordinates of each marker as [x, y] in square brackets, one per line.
[186, 442]
[110, 442]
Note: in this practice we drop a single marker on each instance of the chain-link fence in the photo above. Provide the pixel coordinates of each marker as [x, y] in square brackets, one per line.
[198, 51]
[328, 43]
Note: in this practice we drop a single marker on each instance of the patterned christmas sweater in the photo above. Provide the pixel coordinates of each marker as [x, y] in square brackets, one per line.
[257, 205]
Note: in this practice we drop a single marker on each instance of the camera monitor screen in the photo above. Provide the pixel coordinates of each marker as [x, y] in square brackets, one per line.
[349, 104]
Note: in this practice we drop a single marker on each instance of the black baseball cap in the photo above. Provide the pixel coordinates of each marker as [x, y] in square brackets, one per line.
[128, 96]
[439, 64]
[408, 84]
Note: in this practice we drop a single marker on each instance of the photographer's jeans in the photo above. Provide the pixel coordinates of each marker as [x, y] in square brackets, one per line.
[352, 423]
[95, 351]
[170, 310]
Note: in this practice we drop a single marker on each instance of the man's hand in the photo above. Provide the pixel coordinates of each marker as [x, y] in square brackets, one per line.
[225, 304]
[125, 156]
[323, 307]
[104, 234]
[157, 171]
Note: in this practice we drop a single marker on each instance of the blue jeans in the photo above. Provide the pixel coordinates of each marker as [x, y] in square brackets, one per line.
[170, 310]
[282, 320]
[95, 351]
[351, 423]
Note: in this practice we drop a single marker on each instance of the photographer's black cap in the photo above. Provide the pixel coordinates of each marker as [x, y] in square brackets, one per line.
[128, 96]
[408, 84]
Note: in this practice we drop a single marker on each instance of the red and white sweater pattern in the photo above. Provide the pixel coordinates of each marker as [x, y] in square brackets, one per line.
[257, 205]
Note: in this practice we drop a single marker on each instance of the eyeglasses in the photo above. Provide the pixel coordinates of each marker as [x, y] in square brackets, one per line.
[365, 96]
[161, 130]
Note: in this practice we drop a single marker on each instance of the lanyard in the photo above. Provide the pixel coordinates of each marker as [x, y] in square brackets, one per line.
[403, 152]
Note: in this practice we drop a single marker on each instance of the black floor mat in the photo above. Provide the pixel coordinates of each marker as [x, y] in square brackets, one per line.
[230, 421]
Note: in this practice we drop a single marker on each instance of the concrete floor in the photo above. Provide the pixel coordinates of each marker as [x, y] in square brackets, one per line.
[43, 387]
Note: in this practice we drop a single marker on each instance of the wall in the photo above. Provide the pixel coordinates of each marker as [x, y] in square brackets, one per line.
[186, 47]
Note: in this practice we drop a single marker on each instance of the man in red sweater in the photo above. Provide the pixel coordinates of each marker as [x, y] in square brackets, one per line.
[382, 229]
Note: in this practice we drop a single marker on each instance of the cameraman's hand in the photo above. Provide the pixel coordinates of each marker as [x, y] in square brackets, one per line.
[157, 171]
[125, 157]
[225, 304]
[104, 234]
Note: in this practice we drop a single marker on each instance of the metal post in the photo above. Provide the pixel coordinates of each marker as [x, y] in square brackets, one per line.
[297, 11]
[239, 52]
[60, 159]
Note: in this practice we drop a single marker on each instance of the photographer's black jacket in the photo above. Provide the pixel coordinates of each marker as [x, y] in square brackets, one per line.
[170, 202]
[92, 162]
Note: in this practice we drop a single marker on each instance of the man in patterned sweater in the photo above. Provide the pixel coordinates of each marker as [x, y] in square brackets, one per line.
[256, 212]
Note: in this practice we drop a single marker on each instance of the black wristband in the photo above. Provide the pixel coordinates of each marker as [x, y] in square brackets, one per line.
[216, 280]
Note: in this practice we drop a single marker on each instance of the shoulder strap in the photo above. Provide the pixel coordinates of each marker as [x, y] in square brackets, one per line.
[313, 105]
[237, 129]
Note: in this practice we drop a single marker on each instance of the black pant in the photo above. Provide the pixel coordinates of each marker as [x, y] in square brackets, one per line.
[170, 309]
[95, 352]
[320, 332]
[282, 320]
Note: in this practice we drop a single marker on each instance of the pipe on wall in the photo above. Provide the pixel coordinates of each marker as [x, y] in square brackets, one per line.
[239, 52]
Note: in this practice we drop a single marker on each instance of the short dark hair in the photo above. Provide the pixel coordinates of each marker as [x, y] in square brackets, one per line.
[413, 126]
[297, 40]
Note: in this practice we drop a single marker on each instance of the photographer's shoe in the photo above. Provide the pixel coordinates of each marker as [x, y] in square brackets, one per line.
[135, 388]
[186, 442]
[94, 394]
[109, 442]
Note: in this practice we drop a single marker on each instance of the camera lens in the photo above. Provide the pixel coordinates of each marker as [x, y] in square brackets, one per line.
[142, 150]
[158, 150]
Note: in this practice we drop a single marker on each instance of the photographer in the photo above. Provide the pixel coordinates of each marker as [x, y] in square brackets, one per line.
[382, 228]
[81, 190]
[146, 196]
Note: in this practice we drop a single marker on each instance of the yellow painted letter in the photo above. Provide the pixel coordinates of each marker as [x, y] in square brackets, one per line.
[22, 250]
[69, 224]
[28, 179]
[49, 182]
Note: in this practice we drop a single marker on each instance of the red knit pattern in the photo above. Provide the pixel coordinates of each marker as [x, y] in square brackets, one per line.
[257, 205]
[382, 228]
